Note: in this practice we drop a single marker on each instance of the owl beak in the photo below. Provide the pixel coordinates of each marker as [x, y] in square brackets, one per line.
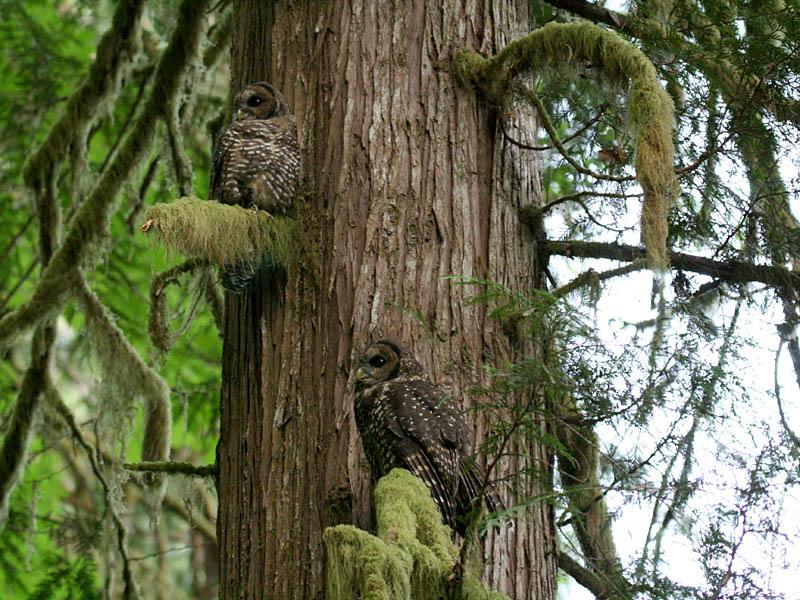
[239, 114]
[361, 375]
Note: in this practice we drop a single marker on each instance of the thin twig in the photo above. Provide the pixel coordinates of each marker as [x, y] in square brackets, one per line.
[19, 283]
[530, 95]
[531, 212]
[580, 131]
[591, 276]
[13, 242]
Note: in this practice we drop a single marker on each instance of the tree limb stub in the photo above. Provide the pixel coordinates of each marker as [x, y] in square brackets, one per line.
[649, 106]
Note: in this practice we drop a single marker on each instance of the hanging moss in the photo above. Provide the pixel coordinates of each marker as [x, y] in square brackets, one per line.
[411, 556]
[128, 377]
[561, 46]
[221, 233]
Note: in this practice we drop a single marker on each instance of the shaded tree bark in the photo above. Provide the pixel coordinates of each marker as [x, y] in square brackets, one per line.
[408, 182]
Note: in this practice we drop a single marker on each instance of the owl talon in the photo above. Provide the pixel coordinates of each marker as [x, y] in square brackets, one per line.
[256, 210]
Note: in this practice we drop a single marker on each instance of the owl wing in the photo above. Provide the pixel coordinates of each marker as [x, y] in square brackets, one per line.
[224, 145]
[429, 439]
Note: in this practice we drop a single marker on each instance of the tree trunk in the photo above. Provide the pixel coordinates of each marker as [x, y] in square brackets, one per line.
[409, 182]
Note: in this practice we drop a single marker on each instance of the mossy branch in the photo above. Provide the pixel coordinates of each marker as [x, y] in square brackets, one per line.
[92, 220]
[115, 49]
[17, 438]
[588, 579]
[173, 468]
[592, 278]
[410, 557]
[578, 466]
[221, 233]
[705, 52]
[157, 317]
[650, 108]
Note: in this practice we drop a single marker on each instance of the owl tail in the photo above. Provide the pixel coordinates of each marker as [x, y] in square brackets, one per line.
[471, 480]
[237, 277]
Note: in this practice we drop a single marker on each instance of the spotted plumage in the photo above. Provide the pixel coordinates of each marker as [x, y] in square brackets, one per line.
[256, 163]
[408, 422]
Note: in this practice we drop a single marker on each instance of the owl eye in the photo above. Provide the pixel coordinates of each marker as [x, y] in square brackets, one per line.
[254, 101]
[377, 361]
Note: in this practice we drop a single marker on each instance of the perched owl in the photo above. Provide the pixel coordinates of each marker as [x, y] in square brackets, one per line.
[406, 421]
[256, 164]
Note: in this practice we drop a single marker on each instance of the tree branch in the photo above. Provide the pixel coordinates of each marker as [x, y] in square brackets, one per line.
[173, 468]
[14, 450]
[582, 575]
[732, 79]
[732, 271]
[650, 108]
[592, 277]
[134, 378]
[113, 51]
[795, 355]
[157, 316]
[592, 12]
[533, 98]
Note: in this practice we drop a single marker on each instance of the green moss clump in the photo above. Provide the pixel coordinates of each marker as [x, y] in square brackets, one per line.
[221, 233]
[411, 556]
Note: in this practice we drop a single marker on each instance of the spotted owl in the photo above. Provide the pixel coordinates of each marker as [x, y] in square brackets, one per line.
[408, 422]
[256, 165]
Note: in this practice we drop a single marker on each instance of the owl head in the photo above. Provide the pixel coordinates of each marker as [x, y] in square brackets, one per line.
[383, 361]
[259, 101]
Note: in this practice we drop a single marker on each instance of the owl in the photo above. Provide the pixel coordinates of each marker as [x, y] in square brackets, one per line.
[256, 164]
[408, 422]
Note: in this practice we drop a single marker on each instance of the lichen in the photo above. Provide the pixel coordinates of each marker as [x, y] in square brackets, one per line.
[411, 555]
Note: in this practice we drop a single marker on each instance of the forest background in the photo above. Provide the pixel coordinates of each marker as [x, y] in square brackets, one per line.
[680, 384]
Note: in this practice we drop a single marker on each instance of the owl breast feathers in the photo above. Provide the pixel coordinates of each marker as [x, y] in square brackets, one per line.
[408, 422]
[256, 163]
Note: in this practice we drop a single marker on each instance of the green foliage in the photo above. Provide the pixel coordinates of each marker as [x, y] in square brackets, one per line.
[69, 580]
